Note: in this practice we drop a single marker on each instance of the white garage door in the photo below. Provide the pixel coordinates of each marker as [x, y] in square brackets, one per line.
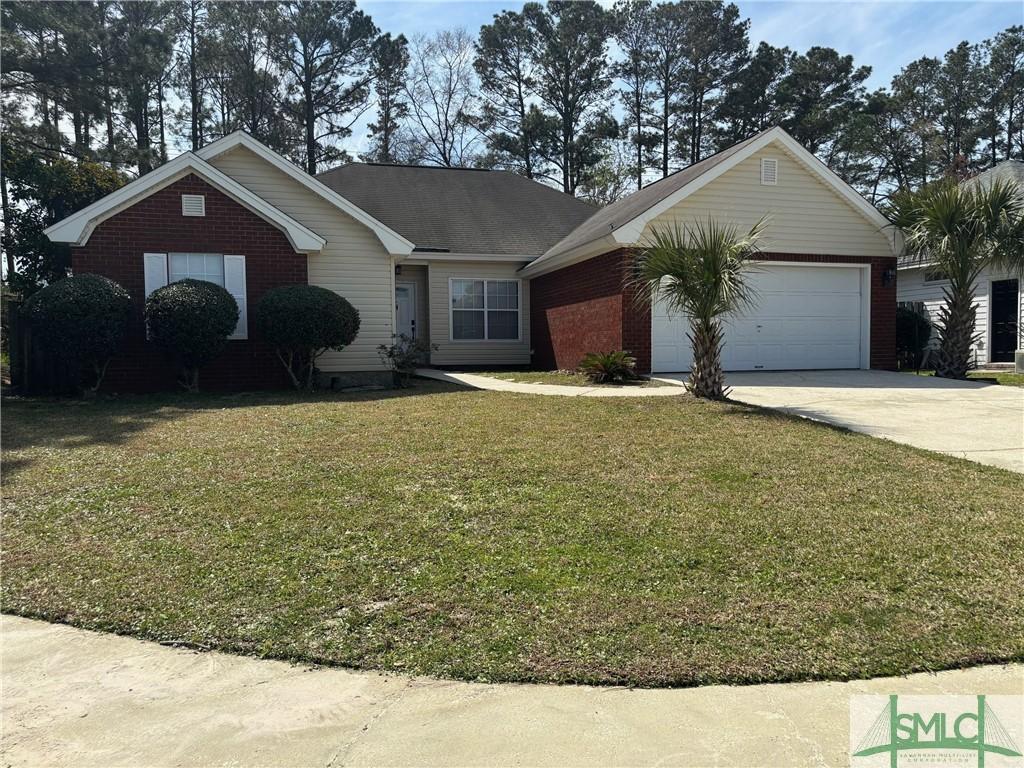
[803, 317]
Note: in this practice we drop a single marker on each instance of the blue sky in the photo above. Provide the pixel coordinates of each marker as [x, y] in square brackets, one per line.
[884, 35]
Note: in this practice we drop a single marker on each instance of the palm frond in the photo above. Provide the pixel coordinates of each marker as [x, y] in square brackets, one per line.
[698, 269]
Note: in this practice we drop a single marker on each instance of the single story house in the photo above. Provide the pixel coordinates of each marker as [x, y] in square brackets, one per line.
[491, 267]
[997, 295]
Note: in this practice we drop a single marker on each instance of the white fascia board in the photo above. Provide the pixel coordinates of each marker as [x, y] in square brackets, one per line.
[446, 256]
[393, 242]
[77, 228]
[580, 253]
[632, 231]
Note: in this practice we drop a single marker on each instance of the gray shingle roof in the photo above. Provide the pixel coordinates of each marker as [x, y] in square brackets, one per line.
[1008, 170]
[461, 210]
[628, 208]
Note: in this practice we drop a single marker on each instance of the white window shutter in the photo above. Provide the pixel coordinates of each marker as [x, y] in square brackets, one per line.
[234, 282]
[155, 265]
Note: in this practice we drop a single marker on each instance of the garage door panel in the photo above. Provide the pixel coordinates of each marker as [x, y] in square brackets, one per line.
[802, 317]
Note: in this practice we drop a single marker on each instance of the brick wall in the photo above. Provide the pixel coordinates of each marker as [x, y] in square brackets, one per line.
[155, 224]
[584, 308]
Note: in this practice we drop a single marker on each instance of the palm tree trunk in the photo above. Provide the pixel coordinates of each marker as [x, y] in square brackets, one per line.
[956, 332]
[706, 377]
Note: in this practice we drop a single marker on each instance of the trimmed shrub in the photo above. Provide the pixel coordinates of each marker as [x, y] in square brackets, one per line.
[81, 320]
[301, 322]
[913, 332]
[190, 320]
[609, 367]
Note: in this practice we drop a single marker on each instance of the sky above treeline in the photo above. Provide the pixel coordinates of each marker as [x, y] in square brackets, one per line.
[883, 35]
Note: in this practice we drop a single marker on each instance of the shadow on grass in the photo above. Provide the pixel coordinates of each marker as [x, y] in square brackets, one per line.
[111, 420]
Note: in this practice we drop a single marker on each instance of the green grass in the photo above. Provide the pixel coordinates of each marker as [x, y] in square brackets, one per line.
[496, 536]
[1006, 378]
[563, 378]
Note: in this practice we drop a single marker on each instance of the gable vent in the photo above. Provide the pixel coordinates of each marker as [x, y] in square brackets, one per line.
[769, 170]
[193, 205]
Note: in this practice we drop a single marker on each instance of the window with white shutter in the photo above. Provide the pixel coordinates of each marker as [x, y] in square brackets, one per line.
[155, 267]
[769, 171]
[234, 282]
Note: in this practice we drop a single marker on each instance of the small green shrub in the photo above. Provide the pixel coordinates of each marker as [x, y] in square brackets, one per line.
[190, 320]
[301, 322]
[404, 357]
[609, 367]
[82, 320]
[913, 332]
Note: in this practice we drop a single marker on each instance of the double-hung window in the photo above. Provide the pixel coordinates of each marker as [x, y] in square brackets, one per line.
[484, 310]
[227, 271]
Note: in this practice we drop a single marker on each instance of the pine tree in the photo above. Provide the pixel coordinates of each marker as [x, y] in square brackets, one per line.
[388, 71]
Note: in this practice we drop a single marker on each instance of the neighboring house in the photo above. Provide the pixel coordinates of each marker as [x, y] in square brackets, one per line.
[997, 296]
[491, 267]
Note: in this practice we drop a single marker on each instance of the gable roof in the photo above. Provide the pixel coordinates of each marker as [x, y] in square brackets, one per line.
[393, 242]
[622, 223]
[1007, 170]
[462, 211]
[77, 228]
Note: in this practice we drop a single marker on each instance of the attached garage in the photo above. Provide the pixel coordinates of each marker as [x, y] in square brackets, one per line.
[805, 316]
[825, 281]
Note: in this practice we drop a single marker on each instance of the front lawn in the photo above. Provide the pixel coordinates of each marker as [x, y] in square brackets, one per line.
[496, 536]
[1006, 378]
[563, 378]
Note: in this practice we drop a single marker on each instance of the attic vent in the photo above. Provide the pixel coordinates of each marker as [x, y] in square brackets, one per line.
[769, 170]
[193, 205]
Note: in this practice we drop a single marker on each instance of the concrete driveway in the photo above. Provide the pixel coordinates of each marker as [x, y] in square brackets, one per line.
[980, 422]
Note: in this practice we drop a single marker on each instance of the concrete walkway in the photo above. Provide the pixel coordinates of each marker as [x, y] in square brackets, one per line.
[78, 698]
[500, 385]
[980, 422]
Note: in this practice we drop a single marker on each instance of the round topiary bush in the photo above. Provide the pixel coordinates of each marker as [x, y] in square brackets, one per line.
[301, 322]
[190, 320]
[81, 320]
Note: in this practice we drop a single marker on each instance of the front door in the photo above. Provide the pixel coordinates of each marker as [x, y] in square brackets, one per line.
[1005, 314]
[405, 310]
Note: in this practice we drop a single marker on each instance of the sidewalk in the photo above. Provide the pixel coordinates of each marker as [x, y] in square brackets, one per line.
[500, 385]
[72, 697]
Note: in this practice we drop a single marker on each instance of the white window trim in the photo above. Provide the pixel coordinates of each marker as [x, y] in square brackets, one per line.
[519, 311]
[241, 333]
[934, 281]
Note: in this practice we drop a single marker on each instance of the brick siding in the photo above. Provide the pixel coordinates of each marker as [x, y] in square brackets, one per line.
[584, 308]
[155, 224]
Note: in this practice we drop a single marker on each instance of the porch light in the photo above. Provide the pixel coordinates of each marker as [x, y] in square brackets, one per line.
[889, 276]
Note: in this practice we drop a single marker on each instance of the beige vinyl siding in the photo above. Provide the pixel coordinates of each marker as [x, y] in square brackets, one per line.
[911, 286]
[417, 274]
[806, 216]
[475, 352]
[353, 263]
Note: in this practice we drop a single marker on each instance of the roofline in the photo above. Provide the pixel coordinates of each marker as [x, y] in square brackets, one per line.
[77, 228]
[393, 242]
[581, 252]
[425, 256]
[630, 232]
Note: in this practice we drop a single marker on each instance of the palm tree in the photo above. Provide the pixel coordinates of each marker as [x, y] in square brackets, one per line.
[960, 230]
[700, 271]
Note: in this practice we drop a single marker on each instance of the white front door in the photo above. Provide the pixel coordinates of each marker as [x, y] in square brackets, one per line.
[803, 317]
[405, 310]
